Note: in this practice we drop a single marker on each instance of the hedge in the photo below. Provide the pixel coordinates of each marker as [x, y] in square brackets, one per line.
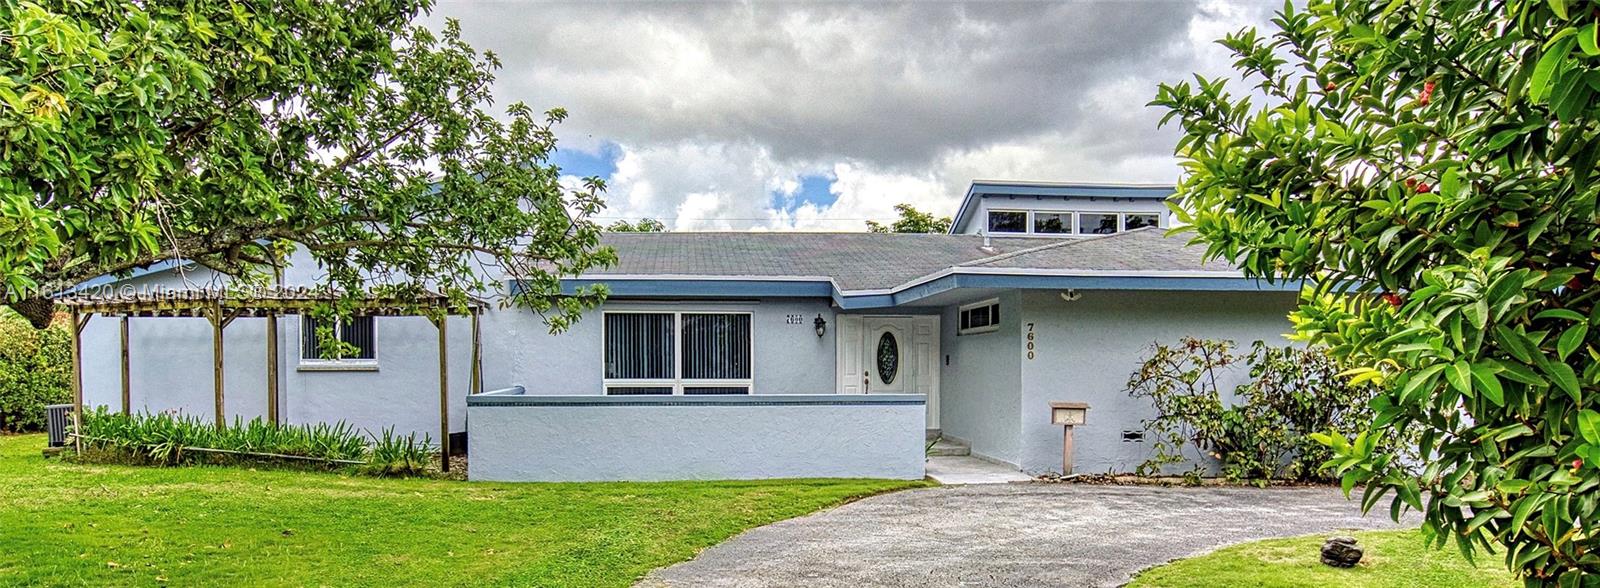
[35, 370]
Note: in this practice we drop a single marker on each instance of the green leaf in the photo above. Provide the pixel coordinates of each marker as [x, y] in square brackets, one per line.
[1570, 340]
[1460, 377]
[1564, 378]
[1587, 40]
[1543, 73]
[1589, 426]
[1489, 383]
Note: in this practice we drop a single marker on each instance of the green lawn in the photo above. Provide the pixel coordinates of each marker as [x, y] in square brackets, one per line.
[64, 523]
[1393, 558]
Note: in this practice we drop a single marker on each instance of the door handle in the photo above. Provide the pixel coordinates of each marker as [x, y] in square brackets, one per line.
[866, 383]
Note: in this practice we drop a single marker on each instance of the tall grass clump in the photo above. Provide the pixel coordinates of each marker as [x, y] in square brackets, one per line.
[170, 439]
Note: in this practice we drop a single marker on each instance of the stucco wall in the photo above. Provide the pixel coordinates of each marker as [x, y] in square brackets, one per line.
[789, 358]
[979, 386]
[533, 439]
[1086, 349]
[170, 369]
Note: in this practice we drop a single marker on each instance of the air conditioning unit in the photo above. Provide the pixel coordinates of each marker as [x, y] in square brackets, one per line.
[58, 420]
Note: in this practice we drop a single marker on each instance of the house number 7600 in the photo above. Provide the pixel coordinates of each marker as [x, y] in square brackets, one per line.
[1030, 340]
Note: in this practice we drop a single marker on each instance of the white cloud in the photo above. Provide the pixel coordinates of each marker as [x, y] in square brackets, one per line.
[716, 107]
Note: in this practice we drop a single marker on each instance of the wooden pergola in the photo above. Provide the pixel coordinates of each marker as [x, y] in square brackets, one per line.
[221, 307]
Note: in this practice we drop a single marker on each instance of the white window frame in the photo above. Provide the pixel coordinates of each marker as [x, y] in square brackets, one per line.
[1072, 222]
[678, 382]
[1077, 226]
[318, 364]
[989, 328]
[1122, 219]
[1027, 222]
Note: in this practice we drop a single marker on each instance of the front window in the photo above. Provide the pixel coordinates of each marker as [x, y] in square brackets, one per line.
[1097, 223]
[1008, 221]
[660, 353]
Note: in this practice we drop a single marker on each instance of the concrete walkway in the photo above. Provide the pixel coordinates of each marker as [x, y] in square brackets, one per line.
[1010, 535]
[958, 470]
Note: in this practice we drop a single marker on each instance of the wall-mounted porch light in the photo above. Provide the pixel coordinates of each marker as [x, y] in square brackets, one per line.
[821, 325]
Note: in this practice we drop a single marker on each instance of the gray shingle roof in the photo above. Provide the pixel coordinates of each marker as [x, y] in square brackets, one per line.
[871, 261]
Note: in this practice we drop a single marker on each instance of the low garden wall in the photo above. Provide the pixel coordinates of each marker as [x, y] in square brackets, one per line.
[516, 437]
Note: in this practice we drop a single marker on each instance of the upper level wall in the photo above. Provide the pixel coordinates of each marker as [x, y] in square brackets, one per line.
[979, 221]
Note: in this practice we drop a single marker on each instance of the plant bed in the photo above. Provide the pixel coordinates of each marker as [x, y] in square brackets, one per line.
[165, 439]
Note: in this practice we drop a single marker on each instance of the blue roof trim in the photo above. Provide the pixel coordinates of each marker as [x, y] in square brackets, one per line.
[664, 288]
[970, 202]
[707, 288]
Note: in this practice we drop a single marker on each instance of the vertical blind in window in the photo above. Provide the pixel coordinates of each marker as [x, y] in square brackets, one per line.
[639, 346]
[356, 331]
[716, 346]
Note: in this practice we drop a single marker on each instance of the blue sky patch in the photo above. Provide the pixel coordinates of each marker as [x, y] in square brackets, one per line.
[575, 162]
[814, 190]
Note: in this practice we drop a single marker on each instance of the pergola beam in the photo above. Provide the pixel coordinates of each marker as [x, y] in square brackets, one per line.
[77, 379]
[444, 395]
[272, 368]
[217, 324]
[127, 384]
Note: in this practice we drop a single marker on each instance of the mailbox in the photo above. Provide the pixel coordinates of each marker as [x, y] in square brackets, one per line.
[1068, 413]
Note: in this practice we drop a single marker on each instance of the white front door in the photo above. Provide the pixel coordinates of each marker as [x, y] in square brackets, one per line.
[890, 355]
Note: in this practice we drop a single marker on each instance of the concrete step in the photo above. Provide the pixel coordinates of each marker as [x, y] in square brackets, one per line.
[948, 448]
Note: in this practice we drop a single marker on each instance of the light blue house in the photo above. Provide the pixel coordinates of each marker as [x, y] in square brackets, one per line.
[749, 355]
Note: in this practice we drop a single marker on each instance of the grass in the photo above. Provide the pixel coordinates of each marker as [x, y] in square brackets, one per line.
[1393, 558]
[70, 524]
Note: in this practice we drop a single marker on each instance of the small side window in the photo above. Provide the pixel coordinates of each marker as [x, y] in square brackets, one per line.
[981, 317]
[357, 332]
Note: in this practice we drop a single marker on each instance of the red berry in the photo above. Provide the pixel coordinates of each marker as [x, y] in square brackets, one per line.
[1331, 87]
[1392, 298]
[1577, 463]
[1423, 188]
[1575, 283]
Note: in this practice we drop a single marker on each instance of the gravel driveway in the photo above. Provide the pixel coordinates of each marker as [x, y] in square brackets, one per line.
[1011, 535]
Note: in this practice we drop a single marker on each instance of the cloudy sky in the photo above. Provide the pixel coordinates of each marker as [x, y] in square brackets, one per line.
[819, 116]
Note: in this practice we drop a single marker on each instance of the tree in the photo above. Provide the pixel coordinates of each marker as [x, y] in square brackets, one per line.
[645, 225]
[912, 221]
[232, 134]
[1428, 168]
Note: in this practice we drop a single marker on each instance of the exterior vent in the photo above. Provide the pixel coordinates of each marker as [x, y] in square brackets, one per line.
[1133, 436]
[58, 418]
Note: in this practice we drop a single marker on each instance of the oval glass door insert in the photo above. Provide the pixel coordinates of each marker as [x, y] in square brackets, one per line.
[888, 358]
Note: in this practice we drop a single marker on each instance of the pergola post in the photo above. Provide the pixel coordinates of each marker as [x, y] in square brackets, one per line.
[444, 395]
[77, 380]
[216, 362]
[477, 355]
[127, 383]
[272, 368]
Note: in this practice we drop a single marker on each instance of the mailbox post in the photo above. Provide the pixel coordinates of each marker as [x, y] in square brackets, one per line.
[1068, 415]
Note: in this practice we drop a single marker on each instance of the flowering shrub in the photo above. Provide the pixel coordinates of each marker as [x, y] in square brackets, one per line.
[1265, 432]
